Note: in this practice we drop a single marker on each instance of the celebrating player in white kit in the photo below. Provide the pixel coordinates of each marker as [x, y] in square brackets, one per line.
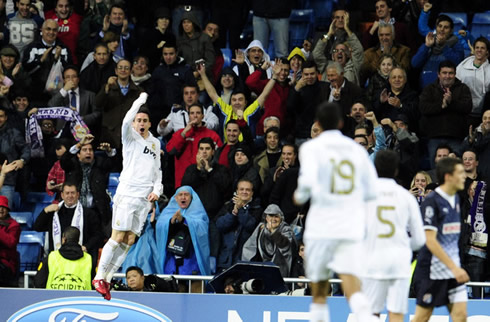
[140, 184]
[338, 176]
[388, 245]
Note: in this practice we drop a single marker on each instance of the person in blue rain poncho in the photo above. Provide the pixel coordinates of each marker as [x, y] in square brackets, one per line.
[179, 242]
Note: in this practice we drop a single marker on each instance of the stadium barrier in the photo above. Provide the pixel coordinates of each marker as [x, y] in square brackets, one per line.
[287, 280]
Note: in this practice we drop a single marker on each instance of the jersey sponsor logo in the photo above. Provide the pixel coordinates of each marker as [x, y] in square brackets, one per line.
[427, 298]
[64, 29]
[429, 213]
[451, 228]
[150, 152]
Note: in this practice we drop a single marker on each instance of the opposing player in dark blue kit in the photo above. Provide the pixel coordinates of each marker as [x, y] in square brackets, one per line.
[439, 279]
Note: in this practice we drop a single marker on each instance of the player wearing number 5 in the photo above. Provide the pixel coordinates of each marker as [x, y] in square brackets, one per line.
[388, 269]
[338, 176]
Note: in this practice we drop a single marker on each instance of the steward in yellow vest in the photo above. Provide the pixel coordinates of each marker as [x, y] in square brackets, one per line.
[68, 268]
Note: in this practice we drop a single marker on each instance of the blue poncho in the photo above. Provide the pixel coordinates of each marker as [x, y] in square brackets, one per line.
[150, 251]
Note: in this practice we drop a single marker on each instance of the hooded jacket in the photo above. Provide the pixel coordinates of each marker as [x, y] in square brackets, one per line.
[277, 247]
[477, 79]
[198, 46]
[247, 68]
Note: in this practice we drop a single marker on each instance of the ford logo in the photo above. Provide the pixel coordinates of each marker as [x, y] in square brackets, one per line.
[87, 309]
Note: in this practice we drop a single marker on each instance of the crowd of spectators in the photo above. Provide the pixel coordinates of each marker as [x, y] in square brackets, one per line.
[70, 71]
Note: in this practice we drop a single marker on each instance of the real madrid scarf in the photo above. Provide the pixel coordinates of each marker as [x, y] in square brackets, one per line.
[76, 221]
[34, 134]
[479, 235]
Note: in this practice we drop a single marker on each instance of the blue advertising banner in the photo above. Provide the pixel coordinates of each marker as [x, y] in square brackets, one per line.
[49, 305]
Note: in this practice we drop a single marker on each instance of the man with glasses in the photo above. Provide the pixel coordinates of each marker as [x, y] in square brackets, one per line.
[39, 58]
[114, 100]
[139, 73]
[348, 53]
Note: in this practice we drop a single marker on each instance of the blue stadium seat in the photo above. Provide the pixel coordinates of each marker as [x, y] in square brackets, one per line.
[227, 55]
[299, 27]
[481, 25]
[24, 218]
[460, 20]
[29, 247]
[322, 11]
[39, 197]
[113, 179]
[16, 203]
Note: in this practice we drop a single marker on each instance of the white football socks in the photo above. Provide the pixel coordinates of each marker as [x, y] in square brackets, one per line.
[120, 254]
[359, 305]
[105, 262]
[319, 313]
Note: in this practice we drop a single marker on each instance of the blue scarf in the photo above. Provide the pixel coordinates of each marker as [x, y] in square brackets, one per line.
[479, 235]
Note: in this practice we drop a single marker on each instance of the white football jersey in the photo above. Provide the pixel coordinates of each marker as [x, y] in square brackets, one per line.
[391, 218]
[338, 177]
[141, 173]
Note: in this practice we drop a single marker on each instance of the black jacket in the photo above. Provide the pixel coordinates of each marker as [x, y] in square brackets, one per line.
[213, 188]
[92, 236]
[99, 176]
[410, 106]
[451, 121]
[94, 76]
[282, 193]
[301, 106]
[166, 89]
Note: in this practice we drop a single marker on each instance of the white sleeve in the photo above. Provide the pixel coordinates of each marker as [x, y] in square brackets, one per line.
[416, 226]
[126, 130]
[308, 174]
[158, 186]
[211, 119]
[163, 131]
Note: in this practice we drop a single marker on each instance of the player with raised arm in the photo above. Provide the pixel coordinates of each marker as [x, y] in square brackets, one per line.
[438, 277]
[140, 184]
[388, 268]
[338, 177]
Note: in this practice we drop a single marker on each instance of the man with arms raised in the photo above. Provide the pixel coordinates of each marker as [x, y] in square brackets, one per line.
[140, 185]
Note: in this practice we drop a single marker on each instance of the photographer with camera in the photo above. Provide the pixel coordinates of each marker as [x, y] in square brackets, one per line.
[137, 281]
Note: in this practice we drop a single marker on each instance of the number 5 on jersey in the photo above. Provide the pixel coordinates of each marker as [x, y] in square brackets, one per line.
[379, 214]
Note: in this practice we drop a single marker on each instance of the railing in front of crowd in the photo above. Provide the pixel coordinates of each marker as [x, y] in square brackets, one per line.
[287, 280]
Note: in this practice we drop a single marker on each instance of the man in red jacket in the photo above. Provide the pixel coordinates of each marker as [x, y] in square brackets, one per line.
[184, 143]
[275, 104]
[9, 238]
[69, 25]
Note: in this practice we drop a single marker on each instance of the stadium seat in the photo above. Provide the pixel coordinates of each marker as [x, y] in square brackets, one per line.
[16, 203]
[113, 179]
[24, 218]
[322, 11]
[460, 20]
[29, 247]
[299, 27]
[481, 25]
[35, 202]
[227, 55]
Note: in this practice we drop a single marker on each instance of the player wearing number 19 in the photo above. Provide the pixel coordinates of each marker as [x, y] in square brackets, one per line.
[339, 178]
[388, 269]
